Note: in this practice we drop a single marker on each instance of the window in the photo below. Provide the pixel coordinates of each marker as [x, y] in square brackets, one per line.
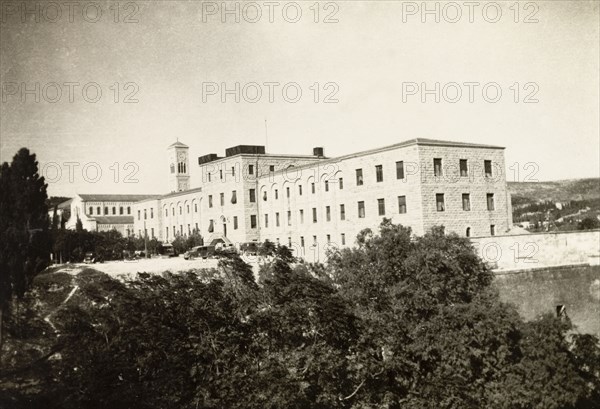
[120, 209]
[361, 210]
[468, 232]
[195, 207]
[221, 174]
[167, 232]
[173, 211]
[487, 166]
[187, 209]
[314, 212]
[300, 190]
[251, 169]
[211, 226]
[139, 215]
[235, 222]
[381, 206]
[196, 228]
[314, 240]
[189, 230]
[342, 212]
[271, 168]
[210, 203]
[289, 242]
[180, 210]
[359, 177]
[128, 210]
[152, 232]
[209, 177]
[312, 188]
[252, 193]
[328, 238]
[265, 195]
[341, 180]
[166, 212]
[302, 241]
[492, 229]
[464, 169]
[233, 171]
[490, 201]
[266, 220]
[145, 214]
[287, 192]
[327, 186]
[114, 210]
[437, 167]
[439, 201]
[98, 210]
[222, 199]
[301, 216]
[328, 213]
[379, 173]
[401, 204]
[276, 194]
[253, 221]
[289, 218]
[277, 219]
[91, 211]
[466, 201]
[400, 169]
[234, 197]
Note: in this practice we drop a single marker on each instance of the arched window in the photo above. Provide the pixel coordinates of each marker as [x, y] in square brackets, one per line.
[468, 232]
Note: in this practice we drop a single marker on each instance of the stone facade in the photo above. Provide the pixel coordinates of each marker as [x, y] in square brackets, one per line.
[310, 202]
[102, 212]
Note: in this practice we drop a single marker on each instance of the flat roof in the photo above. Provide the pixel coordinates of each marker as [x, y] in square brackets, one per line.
[113, 197]
[113, 219]
[410, 142]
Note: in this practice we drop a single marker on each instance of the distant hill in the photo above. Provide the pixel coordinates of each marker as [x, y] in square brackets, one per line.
[556, 191]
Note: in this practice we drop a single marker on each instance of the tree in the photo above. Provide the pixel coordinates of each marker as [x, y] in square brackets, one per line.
[24, 241]
[589, 223]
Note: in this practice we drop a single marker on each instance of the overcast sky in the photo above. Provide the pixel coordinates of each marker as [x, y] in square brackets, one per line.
[370, 59]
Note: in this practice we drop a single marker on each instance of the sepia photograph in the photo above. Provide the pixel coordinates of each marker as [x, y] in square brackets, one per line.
[347, 204]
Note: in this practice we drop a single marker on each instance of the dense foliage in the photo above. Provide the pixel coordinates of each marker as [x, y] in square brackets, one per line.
[24, 240]
[397, 322]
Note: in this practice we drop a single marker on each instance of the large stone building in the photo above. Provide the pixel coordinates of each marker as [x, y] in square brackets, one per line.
[310, 202]
[102, 212]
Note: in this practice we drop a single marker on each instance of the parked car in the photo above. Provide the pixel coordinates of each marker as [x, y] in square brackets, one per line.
[250, 248]
[90, 258]
[167, 250]
[201, 251]
[192, 253]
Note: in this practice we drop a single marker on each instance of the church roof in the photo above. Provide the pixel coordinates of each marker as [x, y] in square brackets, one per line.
[114, 198]
[114, 219]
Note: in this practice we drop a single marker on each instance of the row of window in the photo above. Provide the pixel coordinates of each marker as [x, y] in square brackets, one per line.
[381, 209]
[106, 210]
[232, 172]
[233, 199]
[174, 230]
[438, 170]
[440, 202]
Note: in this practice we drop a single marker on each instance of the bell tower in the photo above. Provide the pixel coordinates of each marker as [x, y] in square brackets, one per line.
[179, 176]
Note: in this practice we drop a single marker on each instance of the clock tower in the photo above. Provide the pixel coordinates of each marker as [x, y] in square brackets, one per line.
[179, 176]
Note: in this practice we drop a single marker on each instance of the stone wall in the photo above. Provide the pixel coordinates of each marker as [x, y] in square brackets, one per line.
[526, 251]
[541, 290]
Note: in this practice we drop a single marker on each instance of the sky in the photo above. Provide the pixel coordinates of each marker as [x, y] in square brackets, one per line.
[520, 75]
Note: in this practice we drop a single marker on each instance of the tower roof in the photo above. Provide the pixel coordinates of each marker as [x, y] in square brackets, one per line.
[178, 145]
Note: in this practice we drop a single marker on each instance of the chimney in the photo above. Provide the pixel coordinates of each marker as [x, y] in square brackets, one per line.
[318, 152]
